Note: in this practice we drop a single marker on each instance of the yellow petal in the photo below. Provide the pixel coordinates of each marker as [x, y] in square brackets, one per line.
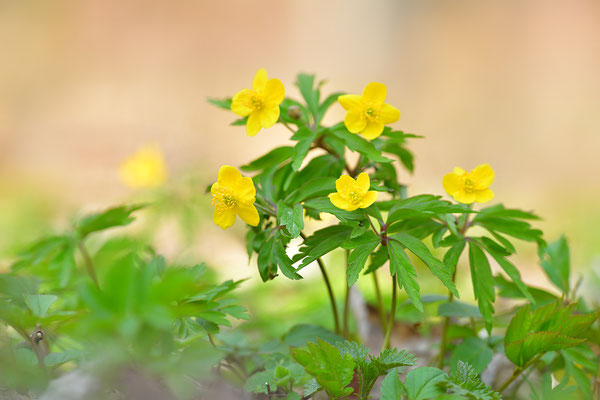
[238, 101]
[482, 196]
[268, 116]
[355, 121]
[482, 176]
[339, 202]
[224, 219]
[273, 93]
[452, 183]
[260, 80]
[464, 197]
[344, 184]
[248, 213]
[375, 92]
[228, 176]
[459, 171]
[350, 102]
[389, 114]
[245, 190]
[364, 183]
[253, 124]
[372, 130]
[368, 199]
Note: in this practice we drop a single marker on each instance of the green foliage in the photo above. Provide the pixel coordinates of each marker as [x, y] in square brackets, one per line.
[465, 382]
[556, 263]
[483, 283]
[548, 328]
[324, 362]
[423, 383]
[113, 217]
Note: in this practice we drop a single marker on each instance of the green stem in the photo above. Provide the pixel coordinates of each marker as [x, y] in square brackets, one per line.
[517, 372]
[89, 265]
[380, 306]
[390, 325]
[346, 329]
[334, 309]
[444, 343]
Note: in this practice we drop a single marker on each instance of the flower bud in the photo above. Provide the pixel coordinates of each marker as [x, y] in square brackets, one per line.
[294, 112]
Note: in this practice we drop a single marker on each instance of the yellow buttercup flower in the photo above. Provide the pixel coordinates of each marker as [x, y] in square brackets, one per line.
[233, 194]
[261, 104]
[368, 114]
[352, 194]
[468, 187]
[146, 168]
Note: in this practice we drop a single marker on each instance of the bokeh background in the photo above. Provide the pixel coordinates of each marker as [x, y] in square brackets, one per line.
[83, 84]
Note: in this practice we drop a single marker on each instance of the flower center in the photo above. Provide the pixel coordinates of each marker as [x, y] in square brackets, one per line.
[354, 197]
[223, 200]
[254, 100]
[468, 185]
[372, 112]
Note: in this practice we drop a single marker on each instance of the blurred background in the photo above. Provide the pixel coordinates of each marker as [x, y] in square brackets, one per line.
[84, 84]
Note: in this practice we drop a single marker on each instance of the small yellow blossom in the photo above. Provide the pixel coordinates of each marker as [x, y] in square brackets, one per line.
[468, 187]
[261, 104]
[352, 194]
[233, 194]
[368, 114]
[144, 169]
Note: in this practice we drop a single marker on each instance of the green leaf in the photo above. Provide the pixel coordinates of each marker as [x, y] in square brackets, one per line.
[324, 362]
[322, 242]
[56, 359]
[473, 351]
[357, 143]
[508, 267]
[391, 387]
[458, 309]
[284, 262]
[401, 267]
[116, 216]
[509, 289]
[465, 382]
[290, 217]
[271, 255]
[222, 103]
[453, 254]
[257, 382]
[422, 383]
[312, 188]
[358, 258]
[556, 263]
[323, 204]
[40, 303]
[305, 137]
[332, 98]
[306, 84]
[483, 284]
[435, 266]
[272, 158]
[403, 154]
[300, 334]
[425, 205]
[499, 211]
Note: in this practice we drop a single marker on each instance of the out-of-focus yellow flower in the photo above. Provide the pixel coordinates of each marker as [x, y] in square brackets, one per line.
[261, 104]
[145, 168]
[233, 194]
[468, 187]
[352, 194]
[368, 114]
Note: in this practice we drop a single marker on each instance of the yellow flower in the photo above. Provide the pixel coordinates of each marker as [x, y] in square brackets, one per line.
[368, 114]
[468, 187]
[261, 104]
[233, 194]
[352, 194]
[144, 169]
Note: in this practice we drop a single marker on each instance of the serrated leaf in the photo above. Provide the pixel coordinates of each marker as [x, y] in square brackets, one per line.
[324, 362]
[290, 217]
[405, 272]
[483, 284]
[305, 137]
[473, 351]
[438, 268]
[466, 383]
[360, 145]
[358, 258]
[556, 264]
[322, 242]
[422, 383]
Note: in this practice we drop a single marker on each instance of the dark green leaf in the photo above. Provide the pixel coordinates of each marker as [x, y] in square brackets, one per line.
[305, 137]
[401, 267]
[483, 283]
[290, 217]
[557, 265]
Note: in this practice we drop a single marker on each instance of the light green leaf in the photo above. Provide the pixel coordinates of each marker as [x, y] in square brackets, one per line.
[473, 351]
[391, 387]
[422, 383]
[40, 303]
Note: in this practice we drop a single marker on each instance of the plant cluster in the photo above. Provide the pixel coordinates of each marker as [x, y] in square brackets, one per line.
[123, 308]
